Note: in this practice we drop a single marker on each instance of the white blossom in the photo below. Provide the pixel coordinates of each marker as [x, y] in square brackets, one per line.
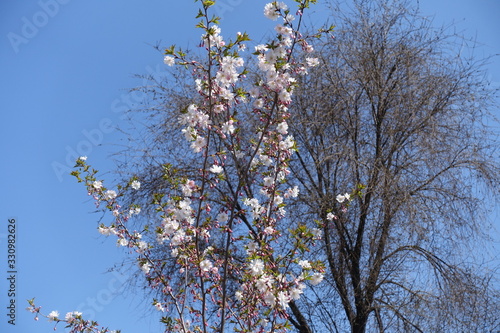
[316, 278]
[269, 230]
[106, 231]
[251, 247]
[206, 265]
[317, 233]
[283, 299]
[53, 316]
[341, 198]
[70, 316]
[271, 11]
[330, 216]
[110, 195]
[145, 267]
[222, 217]
[159, 307]
[169, 60]
[292, 192]
[142, 246]
[122, 242]
[198, 144]
[228, 127]
[135, 185]
[216, 169]
[256, 267]
[282, 128]
[269, 299]
[311, 62]
[296, 292]
[305, 264]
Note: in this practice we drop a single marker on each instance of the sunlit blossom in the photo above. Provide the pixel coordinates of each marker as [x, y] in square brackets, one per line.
[317, 233]
[269, 299]
[228, 127]
[311, 62]
[170, 226]
[256, 267]
[53, 316]
[216, 169]
[106, 231]
[198, 144]
[304, 264]
[283, 299]
[261, 48]
[308, 48]
[169, 60]
[270, 11]
[295, 293]
[218, 108]
[330, 216]
[206, 265]
[70, 316]
[282, 30]
[145, 267]
[269, 230]
[341, 198]
[159, 307]
[142, 246]
[316, 278]
[282, 128]
[251, 247]
[134, 211]
[135, 185]
[292, 192]
[110, 195]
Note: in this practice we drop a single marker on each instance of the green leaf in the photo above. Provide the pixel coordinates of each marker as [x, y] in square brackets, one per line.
[200, 14]
[201, 25]
[208, 3]
[215, 20]
[170, 50]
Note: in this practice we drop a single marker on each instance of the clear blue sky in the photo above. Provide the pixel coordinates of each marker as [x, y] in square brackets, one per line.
[64, 74]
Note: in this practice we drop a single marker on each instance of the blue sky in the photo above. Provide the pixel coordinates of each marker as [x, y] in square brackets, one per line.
[65, 68]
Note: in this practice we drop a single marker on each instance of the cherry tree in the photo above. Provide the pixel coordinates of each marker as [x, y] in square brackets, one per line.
[225, 222]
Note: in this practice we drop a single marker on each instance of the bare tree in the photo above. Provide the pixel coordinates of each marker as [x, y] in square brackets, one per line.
[396, 117]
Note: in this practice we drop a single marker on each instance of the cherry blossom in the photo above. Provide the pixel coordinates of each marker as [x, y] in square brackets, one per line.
[53, 316]
[343, 197]
[135, 185]
[169, 60]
